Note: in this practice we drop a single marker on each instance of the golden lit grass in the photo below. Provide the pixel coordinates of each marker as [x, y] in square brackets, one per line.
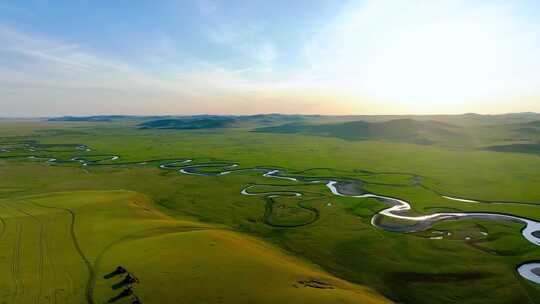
[217, 266]
[58, 247]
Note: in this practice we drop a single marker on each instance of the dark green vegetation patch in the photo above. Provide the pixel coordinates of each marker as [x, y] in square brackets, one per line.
[516, 148]
[188, 123]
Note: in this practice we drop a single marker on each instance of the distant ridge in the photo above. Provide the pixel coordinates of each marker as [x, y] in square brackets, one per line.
[404, 130]
[467, 119]
[206, 122]
[100, 118]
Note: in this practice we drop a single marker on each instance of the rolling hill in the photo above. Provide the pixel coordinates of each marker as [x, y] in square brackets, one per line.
[209, 122]
[100, 118]
[401, 130]
[515, 138]
[65, 246]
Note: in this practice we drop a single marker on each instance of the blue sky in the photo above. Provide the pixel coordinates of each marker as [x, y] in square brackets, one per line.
[243, 57]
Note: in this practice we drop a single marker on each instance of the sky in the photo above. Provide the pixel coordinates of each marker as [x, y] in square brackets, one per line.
[246, 57]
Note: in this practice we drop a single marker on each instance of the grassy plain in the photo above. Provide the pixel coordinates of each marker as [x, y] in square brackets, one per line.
[201, 214]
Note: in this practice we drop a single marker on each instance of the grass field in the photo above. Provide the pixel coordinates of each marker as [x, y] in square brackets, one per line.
[59, 247]
[66, 226]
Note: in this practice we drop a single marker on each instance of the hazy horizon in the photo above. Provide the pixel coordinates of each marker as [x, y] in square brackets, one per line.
[241, 58]
[267, 113]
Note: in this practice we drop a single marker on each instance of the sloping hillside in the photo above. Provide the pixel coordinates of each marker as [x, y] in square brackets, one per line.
[66, 246]
[516, 138]
[402, 130]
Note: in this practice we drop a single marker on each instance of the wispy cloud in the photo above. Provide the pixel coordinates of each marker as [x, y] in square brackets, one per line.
[374, 56]
[31, 53]
[39, 60]
[248, 44]
[55, 77]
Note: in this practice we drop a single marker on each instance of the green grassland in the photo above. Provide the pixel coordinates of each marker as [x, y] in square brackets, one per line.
[180, 233]
[60, 247]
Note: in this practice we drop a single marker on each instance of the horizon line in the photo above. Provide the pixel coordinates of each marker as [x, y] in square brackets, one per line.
[270, 113]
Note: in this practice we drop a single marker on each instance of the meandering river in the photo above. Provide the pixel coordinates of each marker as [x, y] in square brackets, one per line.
[398, 208]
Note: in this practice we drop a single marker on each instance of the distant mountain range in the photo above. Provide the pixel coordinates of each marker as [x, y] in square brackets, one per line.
[461, 119]
[102, 118]
[401, 130]
[514, 132]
